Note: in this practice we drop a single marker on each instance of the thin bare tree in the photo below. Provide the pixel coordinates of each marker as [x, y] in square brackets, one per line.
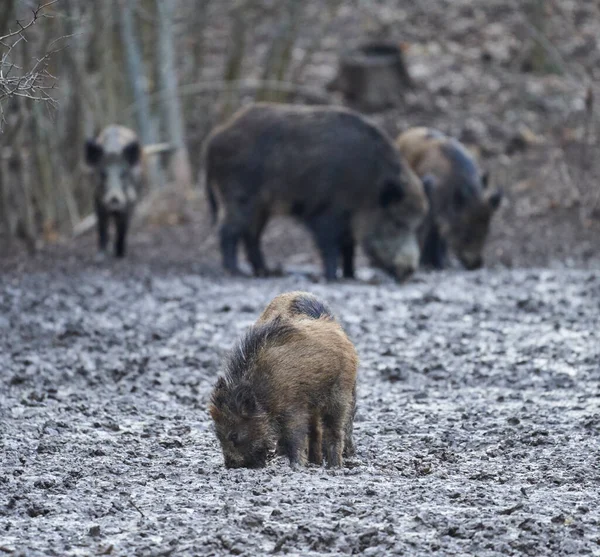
[171, 104]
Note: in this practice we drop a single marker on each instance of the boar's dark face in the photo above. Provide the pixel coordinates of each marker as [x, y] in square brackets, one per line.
[465, 222]
[392, 248]
[117, 174]
[243, 428]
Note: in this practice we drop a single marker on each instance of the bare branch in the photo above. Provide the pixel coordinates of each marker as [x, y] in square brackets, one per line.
[36, 15]
[34, 82]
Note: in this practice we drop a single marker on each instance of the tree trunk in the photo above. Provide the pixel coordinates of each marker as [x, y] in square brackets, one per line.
[171, 104]
[7, 16]
[372, 77]
[136, 73]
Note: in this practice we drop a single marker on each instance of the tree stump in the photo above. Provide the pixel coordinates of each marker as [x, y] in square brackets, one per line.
[373, 76]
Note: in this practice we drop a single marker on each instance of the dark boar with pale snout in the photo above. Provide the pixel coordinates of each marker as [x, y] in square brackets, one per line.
[461, 203]
[328, 167]
[116, 159]
[290, 385]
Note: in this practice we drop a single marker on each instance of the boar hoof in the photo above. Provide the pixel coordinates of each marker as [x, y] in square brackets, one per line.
[275, 272]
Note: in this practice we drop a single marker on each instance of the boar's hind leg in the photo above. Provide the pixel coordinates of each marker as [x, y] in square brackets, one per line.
[122, 222]
[349, 447]
[315, 442]
[251, 240]
[434, 249]
[230, 233]
[333, 437]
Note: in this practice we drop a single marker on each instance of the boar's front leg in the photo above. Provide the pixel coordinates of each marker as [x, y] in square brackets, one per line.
[327, 231]
[348, 257]
[434, 249]
[102, 224]
[122, 225]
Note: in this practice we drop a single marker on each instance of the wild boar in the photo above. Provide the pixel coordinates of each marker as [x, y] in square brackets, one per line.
[289, 384]
[461, 205]
[304, 305]
[295, 305]
[328, 167]
[115, 156]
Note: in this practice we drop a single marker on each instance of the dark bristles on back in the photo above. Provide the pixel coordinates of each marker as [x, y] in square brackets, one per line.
[306, 305]
[244, 355]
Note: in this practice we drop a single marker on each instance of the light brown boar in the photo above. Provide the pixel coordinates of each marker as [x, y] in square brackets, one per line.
[295, 305]
[327, 166]
[304, 305]
[460, 203]
[289, 384]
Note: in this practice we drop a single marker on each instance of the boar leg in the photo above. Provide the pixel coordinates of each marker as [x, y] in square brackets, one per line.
[293, 437]
[333, 437]
[315, 442]
[251, 241]
[230, 234]
[102, 224]
[327, 231]
[122, 224]
[348, 257]
[349, 447]
[434, 249]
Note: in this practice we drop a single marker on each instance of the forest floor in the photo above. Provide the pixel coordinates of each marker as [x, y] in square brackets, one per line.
[478, 429]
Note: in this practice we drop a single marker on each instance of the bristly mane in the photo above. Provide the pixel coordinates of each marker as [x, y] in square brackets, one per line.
[244, 355]
[312, 307]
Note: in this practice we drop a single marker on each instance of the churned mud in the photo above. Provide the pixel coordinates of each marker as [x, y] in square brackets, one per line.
[477, 429]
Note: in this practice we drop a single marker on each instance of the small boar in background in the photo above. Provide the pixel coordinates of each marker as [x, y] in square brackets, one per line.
[327, 167]
[116, 158]
[461, 205]
[289, 384]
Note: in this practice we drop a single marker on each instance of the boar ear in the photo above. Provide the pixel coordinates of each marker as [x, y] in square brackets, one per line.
[132, 152]
[215, 413]
[495, 199]
[219, 392]
[429, 182]
[485, 179]
[390, 193]
[93, 152]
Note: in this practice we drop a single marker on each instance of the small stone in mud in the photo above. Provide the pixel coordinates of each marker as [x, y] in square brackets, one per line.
[94, 531]
[253, 520]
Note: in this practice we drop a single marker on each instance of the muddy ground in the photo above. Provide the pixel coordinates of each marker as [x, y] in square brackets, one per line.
[477, 429]
[479, 394]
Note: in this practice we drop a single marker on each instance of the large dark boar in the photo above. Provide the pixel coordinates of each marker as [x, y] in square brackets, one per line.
[289, 384]
[327, 166]
[115, 155]
[461, 207]
[304, 305]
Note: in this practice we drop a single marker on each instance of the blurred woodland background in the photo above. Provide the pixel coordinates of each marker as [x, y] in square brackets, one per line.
[516, 80]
